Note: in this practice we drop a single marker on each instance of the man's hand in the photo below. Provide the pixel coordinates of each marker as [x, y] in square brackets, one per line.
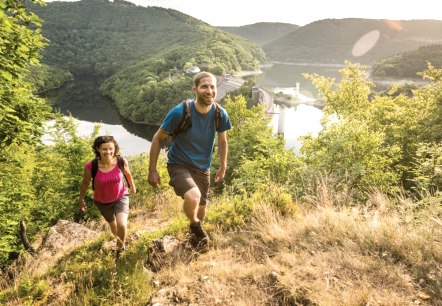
[154, 179]
[220, 175]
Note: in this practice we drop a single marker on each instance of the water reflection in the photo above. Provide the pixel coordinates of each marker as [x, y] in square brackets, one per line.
[299, 120]
[287, 75]
[142, 130]
[83, 100]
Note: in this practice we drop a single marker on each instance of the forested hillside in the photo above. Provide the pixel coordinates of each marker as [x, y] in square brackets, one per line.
[102, 37]
[408, 64]
[145, 92]
[357, 40]
[99, 37]
[262, 32]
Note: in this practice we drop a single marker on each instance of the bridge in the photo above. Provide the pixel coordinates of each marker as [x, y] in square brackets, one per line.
[261, 95]
[269, 98]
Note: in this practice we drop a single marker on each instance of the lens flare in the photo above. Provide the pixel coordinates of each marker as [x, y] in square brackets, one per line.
[366, 43]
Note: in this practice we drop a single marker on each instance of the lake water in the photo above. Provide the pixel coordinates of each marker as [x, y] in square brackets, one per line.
[83, 100]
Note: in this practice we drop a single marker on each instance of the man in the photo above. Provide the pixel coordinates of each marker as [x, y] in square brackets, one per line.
[190, 154]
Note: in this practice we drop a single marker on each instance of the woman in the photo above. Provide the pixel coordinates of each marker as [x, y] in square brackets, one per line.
[110, 192]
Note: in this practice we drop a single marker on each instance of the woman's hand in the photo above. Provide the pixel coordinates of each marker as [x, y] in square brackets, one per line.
[132, 190]
[82, 205]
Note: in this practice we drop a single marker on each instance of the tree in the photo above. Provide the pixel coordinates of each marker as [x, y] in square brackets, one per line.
[21, 113]
[352, 147]
[257, 157]
[22, 116]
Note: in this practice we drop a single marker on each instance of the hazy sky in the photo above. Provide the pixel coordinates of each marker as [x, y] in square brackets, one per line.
[243, 12]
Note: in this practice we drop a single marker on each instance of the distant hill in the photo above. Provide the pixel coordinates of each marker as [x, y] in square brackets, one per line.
[358, 40]
[408, 64]
[263, 32]
[102, 37]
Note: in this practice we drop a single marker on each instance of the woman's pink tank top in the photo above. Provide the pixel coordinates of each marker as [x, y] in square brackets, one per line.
[108, 186]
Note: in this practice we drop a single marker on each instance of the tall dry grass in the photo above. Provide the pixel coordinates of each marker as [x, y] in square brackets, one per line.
[329, 251]
[330, 254]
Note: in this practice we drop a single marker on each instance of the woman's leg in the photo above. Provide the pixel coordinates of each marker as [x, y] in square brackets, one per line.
[121, 229]
[113, 227]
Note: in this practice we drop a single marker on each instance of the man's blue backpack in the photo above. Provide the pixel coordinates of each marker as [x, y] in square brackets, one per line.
[120, 162]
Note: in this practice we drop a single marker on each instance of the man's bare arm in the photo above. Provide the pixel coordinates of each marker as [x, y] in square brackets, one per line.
[155, 148]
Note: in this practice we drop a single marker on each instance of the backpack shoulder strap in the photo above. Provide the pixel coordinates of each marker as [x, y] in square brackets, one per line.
[218, 115]
[94, 171]
[120, 161]
[185, 121]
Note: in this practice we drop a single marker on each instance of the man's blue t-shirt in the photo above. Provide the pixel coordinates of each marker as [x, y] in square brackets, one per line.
[194, 146]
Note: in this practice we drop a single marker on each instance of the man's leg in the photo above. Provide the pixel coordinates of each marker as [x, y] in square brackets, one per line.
[198, 237]
[201, 212]
[191, 203]
[185, 184]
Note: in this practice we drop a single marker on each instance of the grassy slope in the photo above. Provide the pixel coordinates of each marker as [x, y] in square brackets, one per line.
[324, 254]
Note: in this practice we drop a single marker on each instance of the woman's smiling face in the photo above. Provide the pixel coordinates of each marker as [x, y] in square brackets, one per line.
[107, 150]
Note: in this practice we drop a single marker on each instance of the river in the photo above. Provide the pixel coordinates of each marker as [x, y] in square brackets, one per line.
[82, 99]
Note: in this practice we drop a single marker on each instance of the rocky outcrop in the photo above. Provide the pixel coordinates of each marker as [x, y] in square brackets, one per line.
[166, 252]
[64, 235]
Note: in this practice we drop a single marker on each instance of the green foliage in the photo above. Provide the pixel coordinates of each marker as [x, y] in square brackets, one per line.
[138, 167]
[256, 156]
[431, 73]
[34, 292]
[103, 37]
[96, 280]
[416, 120]
[408, 64]
[353, 155]
[22, 117]
[21, 113]
[277, 197]
[146, 91]
[352, 147]
[233, 212]
[230, 213]
[371, 141]
[46, 78]
[59, 172]
[39, 185]
[17, 195]
[428, 169]
[146, 50]
[245, 90]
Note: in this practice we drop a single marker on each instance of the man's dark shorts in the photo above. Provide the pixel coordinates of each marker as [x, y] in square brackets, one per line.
[183, 178]
[108, 211]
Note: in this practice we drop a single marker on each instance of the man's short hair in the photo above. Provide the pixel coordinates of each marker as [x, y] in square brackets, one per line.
[201, 75]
